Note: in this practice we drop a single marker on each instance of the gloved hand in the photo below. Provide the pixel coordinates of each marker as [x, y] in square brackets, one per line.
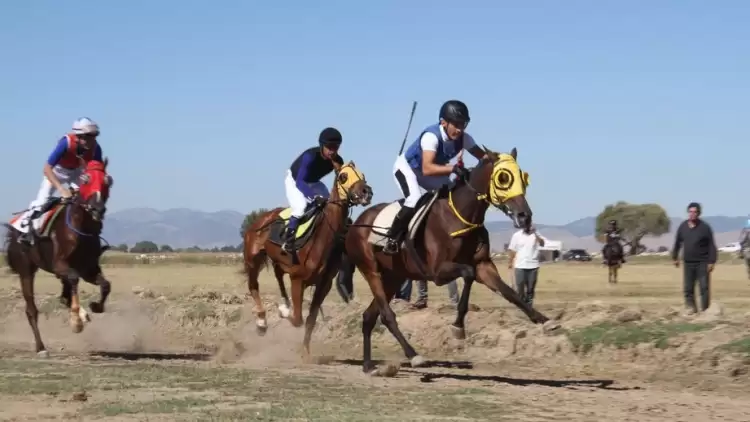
[319, 201]
[460, 171]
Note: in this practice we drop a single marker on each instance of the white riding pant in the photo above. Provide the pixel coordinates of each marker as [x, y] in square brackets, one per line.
[47, 189]
[297, 200]
[413, 185]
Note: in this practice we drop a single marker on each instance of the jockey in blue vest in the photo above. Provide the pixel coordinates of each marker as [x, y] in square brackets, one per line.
[303, 184]
[425, 164]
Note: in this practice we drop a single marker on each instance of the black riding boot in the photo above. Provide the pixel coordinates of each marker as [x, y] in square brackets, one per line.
[398, 229]
[27, 237]
[289, 237]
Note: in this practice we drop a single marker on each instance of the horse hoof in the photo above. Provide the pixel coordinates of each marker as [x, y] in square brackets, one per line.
[77, 327]
[42, 354]
[261, 326]
[458, 333]
[387, 371]
[417, 361]
[85, 317]
[550, 326]
[284, 311]
[96, 307]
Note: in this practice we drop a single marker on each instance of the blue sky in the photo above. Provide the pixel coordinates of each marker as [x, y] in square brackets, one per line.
[205, 104]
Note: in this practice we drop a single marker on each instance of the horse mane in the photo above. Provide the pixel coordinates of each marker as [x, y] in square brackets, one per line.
[457, 183]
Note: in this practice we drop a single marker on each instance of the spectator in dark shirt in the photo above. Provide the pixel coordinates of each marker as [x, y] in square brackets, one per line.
[698, 256]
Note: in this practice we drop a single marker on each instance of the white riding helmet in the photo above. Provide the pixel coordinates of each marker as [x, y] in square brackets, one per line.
[85, 126]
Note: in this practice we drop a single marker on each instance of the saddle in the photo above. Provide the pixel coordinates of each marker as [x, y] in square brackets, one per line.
[45, 216]
[384, 219]
[304, 229]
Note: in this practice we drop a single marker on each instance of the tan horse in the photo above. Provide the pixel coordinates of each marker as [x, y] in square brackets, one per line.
[320, 246]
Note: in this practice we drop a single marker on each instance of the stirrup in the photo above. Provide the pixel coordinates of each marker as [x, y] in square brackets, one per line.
[288, 245]
[392, 246]
[25, 238]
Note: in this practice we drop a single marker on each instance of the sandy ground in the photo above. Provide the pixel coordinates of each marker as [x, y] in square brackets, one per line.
[178, 342]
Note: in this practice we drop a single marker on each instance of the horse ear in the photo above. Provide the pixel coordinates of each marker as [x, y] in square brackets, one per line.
[351, 163]
[106, 162]
[514, 153]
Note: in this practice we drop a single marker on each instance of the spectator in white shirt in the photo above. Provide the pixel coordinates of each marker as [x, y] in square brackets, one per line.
[524, 258]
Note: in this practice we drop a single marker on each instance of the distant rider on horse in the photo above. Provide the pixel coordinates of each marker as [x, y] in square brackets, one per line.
[303, 185]
[64, 166]
[425, 164]
[612, 235]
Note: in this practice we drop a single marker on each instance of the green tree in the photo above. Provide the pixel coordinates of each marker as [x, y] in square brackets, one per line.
[250, 219]
[145, 246]
[122, 247]
[635, 221]
[165, 248]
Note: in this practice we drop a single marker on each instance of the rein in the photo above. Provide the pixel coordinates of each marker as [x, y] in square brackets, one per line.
[481, 197]
[69, 223]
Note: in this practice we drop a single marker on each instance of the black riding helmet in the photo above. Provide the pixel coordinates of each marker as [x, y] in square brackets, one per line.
[329, 137]
[455, 112]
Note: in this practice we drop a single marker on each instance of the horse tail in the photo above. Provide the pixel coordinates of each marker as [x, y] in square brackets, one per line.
[263, 264]
[6, 246]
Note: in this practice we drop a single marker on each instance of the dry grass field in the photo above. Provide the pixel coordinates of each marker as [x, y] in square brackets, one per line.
[178, 342]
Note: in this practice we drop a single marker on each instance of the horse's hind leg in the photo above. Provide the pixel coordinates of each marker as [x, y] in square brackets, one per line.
[252, 270]
[284, 308]
[32, 313]
[383, 289]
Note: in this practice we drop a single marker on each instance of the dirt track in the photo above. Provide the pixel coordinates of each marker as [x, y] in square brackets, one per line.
[626, 353]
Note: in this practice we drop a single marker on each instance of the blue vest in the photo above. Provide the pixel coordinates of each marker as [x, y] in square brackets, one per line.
[446, 151]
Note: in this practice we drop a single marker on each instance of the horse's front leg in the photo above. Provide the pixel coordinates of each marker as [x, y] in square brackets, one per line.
[65, 293]
[488, 275]
[104, 289]
[447, 272]
[70, 278]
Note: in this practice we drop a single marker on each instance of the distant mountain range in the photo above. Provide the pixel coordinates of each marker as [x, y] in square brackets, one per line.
[183, 228]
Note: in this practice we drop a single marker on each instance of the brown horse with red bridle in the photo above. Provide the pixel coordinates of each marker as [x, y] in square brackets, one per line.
[69, 248]
[320, 237]
[446, 240]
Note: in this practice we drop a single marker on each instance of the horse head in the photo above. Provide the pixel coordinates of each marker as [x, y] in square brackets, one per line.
[352, 186]
[94, 186]
[503, 184]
